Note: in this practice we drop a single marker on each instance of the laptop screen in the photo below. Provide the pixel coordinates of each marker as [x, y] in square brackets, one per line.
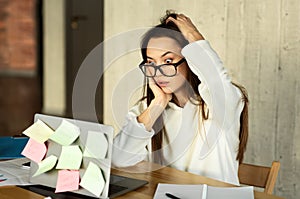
[91, 150]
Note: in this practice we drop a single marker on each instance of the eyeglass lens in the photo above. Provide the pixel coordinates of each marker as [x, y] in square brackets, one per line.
[167, 70]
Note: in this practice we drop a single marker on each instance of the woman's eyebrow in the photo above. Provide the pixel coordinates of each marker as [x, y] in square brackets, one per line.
[168, 52]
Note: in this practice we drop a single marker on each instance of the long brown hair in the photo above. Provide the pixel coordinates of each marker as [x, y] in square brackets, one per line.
[172, 31]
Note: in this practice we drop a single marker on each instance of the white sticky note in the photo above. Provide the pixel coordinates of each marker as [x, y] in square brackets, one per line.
[96, 145]
[39, 131]
[46, 165]
[66, 133]
[93, 180]
[70, 158]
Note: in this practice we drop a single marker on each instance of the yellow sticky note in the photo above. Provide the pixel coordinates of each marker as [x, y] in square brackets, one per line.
[66, 133]
[93, 180]
[70, 158]
[96, 145]
[39, 131]
[46, 165]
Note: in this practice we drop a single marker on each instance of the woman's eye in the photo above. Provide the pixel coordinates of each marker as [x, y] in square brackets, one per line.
[169, 61]
[150, 62]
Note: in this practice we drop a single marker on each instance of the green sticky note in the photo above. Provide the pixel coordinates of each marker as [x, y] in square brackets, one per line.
[96, 145]
[93, 180]
[66, 133]
[46, 165]
[70, 158]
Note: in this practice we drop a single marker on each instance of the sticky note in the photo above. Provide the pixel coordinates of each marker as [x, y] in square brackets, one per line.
[46, 165]
[66, 133]
[70, 158]
[96, 145]
[39, 131]
[93, 180]
[67, 180]
[34, 150]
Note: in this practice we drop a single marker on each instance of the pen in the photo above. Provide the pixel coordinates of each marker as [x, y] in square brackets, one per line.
[171, 196]
[1, 180]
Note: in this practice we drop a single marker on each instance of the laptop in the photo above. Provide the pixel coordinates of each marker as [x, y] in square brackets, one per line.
[114, 185]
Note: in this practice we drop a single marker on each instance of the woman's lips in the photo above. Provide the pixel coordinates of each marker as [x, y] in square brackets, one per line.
[162, 83]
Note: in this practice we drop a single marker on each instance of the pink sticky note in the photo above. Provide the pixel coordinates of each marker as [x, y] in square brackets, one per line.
[67, 180]
[34, 150]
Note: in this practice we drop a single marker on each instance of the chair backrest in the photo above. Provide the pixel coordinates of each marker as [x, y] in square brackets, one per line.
[259, 176]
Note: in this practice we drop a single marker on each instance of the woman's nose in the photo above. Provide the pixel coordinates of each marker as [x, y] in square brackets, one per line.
[158, 73]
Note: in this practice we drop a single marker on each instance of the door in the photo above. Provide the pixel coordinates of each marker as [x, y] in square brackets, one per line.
[84, 31]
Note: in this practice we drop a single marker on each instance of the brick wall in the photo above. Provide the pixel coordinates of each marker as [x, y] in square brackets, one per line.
[17, 35]
[20, 85]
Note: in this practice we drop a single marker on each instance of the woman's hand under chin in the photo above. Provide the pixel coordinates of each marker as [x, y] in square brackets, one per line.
[160, 97]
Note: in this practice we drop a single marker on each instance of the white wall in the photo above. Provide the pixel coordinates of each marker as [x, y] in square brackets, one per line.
[259, 42]
[54, 86]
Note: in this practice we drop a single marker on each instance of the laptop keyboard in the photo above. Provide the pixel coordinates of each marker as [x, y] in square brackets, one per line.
[115, 189]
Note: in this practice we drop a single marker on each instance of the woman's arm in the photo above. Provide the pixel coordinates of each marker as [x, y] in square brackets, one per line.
[156, 107]
[220, 95]
[129, 145]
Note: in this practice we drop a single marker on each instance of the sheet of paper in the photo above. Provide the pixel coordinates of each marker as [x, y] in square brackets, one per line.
[34, 150]
[230, 192]
[13, 171]
[66, 133]
[39, 131]
[67, 180]
[93, 180]
[70, 158]
[96, 145]
[179, 190]
[46, 165]
[187, 191]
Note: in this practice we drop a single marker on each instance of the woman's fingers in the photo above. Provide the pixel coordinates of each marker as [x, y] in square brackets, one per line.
[187, 28]
[159, 94]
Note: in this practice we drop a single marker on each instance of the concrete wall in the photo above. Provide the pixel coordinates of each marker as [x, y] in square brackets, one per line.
[259, 42]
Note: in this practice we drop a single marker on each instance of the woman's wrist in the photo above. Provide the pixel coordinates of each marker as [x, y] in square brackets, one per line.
[151, 114]
[194, 36]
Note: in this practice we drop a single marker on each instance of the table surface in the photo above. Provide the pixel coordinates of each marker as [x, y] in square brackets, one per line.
[153, 173]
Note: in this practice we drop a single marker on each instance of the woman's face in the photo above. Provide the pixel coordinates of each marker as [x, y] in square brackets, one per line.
[164, 50]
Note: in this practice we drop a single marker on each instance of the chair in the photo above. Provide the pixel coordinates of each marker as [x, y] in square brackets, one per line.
[259, 176]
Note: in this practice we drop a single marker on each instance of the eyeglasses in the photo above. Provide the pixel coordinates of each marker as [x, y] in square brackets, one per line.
[168, 70]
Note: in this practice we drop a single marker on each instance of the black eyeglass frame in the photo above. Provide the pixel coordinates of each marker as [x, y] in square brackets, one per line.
[141, 65]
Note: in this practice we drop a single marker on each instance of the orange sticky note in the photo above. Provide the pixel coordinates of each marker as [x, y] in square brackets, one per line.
[67, 180]
[34, 150]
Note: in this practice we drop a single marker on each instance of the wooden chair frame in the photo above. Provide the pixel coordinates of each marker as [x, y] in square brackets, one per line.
[259, 176]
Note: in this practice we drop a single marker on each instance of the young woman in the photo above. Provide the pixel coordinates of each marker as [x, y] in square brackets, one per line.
[192, 117]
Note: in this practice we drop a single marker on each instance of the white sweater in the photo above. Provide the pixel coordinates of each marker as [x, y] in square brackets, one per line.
[205, 147]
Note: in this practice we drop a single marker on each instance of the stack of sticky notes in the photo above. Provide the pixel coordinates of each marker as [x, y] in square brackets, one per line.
[69, 162]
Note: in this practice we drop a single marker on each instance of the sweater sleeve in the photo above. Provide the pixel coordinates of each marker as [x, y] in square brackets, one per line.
[129, 145]
[221, 96]
[223, 99]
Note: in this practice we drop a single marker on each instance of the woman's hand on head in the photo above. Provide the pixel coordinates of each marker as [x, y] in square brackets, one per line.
[187, 28]
[160, 97]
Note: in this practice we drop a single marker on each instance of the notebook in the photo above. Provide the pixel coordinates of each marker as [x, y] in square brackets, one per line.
[202, 191]
[114, 185]
[11, 147]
